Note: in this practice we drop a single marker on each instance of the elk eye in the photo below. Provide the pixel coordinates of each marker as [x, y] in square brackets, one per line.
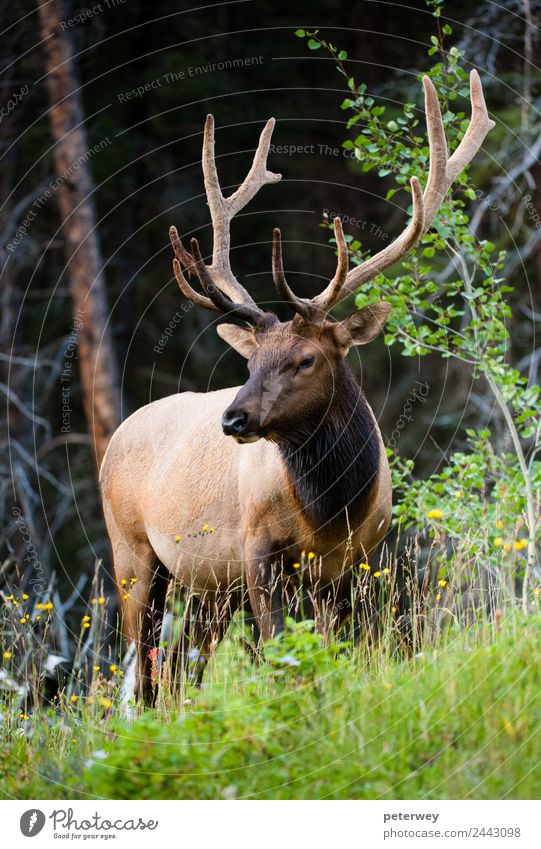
[307, 362]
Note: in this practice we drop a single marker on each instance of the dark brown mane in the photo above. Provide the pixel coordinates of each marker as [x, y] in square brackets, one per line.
[333, 464]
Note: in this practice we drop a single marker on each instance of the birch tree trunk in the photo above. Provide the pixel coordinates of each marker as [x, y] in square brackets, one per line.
[73, 188]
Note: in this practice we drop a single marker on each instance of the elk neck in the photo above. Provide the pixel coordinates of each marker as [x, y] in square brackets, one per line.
[333, 463]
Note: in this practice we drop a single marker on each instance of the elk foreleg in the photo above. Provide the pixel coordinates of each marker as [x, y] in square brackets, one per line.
[265, 589]
[203, 627]
[142, 583]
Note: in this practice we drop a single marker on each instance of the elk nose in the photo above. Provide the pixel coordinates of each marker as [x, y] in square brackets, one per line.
[234, 423]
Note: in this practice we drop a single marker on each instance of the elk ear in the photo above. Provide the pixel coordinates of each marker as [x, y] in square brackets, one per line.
[241, 339]
[363, 326]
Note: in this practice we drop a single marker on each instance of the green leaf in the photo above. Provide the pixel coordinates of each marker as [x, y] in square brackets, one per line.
[300, 33]
[313, 44]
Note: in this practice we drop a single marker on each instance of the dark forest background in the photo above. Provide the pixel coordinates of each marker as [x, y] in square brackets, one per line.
[147, 175]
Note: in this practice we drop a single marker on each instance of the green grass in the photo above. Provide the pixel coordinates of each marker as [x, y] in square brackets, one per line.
[460, 721]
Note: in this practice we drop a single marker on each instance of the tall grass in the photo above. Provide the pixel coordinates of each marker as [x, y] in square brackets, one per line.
[438, 696]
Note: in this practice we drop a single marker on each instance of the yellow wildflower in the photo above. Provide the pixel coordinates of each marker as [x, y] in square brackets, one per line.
[74, 698]
[435, 514]
[442, 583]
[438, 596]
[106, 703]
[9, 598]
[96, 668]
[498, 542]
[377, 574]
[458, 494]
[211, 530]
[23, 619]
[387, 571]
[296, 565]
[94, 601]
[7, 655]
[394, 609]
[101, 600]
[205, 528]
[86, 618]
[508, 728]
[24, 716]
[311, 555]
[113, 668]
[25, 597]
[519, 544]
[499, 524]
[38, 618]
[126, 595]
[507, 546]
[123, 582]
[86, 624]
[365, 566]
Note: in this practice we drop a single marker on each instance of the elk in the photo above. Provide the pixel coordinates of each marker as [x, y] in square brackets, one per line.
[225, 490]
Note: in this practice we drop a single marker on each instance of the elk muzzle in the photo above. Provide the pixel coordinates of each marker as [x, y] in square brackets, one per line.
[242, 419]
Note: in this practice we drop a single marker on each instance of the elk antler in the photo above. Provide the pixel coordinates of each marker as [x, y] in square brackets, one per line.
[311, 309]
[223, 290]
[442, 172]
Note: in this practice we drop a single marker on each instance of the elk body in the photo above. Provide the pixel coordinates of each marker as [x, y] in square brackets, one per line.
[224, 491]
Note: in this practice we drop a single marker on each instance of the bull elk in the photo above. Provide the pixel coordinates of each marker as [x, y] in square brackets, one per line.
[293, 460]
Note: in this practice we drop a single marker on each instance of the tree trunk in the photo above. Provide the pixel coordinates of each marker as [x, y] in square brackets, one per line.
[73, 187]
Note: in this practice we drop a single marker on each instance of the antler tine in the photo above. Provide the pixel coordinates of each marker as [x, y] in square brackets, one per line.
[393, 252]
[253, 315]
[223, 209]
[330, 296]
[300, 305]
[182, 257]
[442, 172]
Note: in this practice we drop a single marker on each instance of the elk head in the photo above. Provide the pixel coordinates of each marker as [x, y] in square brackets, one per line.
[297, 367]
